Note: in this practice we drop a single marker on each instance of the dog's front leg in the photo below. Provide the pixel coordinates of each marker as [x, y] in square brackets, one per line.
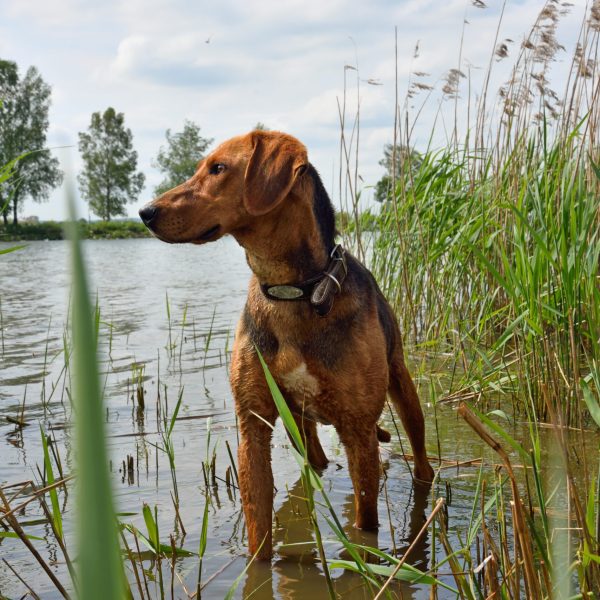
[255, 411]
[363, 462]
[256, 482]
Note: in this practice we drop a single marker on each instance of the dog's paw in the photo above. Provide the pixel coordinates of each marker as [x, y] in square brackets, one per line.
[424, 473]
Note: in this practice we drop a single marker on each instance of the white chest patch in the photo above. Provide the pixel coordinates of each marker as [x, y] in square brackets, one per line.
[301, 381]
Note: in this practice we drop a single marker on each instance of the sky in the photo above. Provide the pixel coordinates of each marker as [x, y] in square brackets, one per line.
[230, 64]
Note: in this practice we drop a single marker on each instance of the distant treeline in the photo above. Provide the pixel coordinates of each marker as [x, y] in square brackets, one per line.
[54, 230]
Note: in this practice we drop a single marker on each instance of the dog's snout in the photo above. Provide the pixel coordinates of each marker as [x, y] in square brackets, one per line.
[148, 213]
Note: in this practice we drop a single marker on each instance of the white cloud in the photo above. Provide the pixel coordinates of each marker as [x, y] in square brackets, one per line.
[55, 12]
[182, 60]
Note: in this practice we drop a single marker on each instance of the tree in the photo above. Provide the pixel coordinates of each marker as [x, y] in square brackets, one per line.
[406, 160]
[109, 179]
[24, 105]
[178, 161]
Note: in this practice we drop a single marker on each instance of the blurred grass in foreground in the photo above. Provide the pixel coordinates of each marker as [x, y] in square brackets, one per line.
[100, 570]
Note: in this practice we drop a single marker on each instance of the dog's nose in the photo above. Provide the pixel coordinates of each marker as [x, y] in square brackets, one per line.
[148, 213]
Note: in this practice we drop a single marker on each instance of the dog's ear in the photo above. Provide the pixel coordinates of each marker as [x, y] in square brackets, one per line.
[277, 161]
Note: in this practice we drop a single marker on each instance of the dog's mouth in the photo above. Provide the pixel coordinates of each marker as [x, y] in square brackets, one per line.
[209, 234]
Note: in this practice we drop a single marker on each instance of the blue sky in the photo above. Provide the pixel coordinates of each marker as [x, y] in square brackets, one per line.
[230, 64]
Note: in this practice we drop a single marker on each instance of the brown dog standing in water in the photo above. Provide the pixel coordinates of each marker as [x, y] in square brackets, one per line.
[315, 313]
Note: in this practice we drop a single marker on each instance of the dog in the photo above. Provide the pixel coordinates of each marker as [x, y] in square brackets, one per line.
[315, 313]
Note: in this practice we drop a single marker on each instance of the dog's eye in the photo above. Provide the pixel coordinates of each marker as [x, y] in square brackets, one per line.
[217, 168]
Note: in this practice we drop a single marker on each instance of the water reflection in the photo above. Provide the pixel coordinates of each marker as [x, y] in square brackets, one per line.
[296, 570]
[208, 285]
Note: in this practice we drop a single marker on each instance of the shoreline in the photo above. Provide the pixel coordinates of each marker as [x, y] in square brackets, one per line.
[55, 230]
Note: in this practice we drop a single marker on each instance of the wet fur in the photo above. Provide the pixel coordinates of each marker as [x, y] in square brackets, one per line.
[338, 369]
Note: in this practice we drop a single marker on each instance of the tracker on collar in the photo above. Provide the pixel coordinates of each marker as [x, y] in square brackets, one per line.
[320, 290]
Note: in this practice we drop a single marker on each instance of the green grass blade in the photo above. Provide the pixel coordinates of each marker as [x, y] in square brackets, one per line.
[101, 575]
[591, 401]
[406, 573]
[12, 249]
[204, 530]
[12, 534]
[151, 526]
[234, 586]
[590, 521]
[56, 516]
[202, 544]
[282, 407]
[156, 549]
[175, 413]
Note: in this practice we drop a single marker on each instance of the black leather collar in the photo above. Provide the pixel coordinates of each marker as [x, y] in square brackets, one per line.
[320, 290]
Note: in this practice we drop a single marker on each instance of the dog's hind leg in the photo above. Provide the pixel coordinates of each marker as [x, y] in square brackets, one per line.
[406, 400]
[383, 435]
[310, 437]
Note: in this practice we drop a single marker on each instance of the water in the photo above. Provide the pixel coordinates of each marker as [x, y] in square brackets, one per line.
[131, 279]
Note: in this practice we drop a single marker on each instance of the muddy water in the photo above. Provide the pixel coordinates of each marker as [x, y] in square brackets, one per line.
[132, 279]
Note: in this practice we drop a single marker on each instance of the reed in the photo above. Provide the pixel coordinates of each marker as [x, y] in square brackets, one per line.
[488, 248]
[490, 244]
[168, 447]
[170, 344]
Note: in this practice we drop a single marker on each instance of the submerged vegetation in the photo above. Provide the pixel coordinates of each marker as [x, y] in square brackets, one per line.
[489, 250]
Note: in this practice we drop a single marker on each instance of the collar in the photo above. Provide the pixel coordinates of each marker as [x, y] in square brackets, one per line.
[320, 290]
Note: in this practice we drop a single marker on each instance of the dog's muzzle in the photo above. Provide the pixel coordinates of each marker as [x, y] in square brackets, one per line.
[148, 214]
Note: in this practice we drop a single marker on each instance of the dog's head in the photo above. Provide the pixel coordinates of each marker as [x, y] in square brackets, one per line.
[243, 179]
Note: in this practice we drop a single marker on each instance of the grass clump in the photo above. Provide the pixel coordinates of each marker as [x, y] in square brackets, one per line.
[488, 248]
[502, 266]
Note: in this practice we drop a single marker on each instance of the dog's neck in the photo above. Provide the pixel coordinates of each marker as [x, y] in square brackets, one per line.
[283, 261]
[285, 247]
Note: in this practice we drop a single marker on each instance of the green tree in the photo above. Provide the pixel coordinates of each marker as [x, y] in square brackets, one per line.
[109, 179]
[406, 160]
[178, 161]
[24, 105]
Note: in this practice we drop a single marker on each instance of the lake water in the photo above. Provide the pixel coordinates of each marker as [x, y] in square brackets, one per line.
[131, 280]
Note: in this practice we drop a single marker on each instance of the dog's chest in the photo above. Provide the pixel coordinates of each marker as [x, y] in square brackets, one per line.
[301, 382]
[303, 393]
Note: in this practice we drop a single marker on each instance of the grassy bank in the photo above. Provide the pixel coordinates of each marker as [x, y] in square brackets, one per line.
[54, 230]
